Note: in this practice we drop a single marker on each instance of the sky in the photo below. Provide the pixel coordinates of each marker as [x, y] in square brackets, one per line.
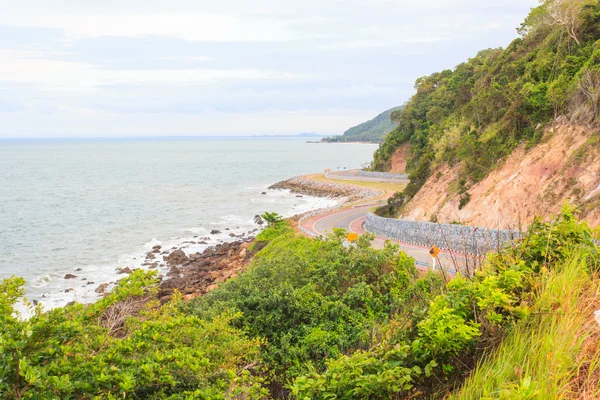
[72, 68]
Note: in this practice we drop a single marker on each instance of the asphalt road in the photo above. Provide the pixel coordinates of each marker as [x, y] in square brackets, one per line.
[351, 219]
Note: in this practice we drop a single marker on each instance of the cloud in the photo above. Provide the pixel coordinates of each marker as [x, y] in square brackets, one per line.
[34, 68]
[135, 67]
[187, 26]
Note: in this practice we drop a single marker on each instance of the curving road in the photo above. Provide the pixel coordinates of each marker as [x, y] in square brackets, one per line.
[352, 219]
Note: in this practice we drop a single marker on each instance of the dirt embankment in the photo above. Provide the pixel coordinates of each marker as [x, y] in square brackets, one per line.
[566, 165]
[398, 163]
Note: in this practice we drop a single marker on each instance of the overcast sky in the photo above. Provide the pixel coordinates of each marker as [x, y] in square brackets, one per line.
[228, 67]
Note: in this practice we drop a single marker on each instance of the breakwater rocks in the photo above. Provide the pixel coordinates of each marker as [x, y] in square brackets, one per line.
[462, 238]
[310, 187]
[199, 273]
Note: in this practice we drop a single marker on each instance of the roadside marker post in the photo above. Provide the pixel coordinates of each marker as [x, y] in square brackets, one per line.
[352, 237]
[434, 251]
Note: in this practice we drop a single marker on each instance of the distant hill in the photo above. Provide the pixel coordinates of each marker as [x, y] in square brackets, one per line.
[373, 131]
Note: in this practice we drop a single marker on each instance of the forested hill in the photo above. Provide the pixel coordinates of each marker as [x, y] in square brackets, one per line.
[373, 131]
[470, 118]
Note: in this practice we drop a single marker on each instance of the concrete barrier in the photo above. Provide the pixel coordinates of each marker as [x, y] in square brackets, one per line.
[465, 239]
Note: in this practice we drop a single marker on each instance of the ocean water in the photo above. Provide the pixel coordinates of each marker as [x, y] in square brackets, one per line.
[87, 207]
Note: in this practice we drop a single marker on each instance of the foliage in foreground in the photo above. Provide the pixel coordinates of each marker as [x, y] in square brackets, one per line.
[426, 354]
[313, 319]
[543, 354]
[123, 346]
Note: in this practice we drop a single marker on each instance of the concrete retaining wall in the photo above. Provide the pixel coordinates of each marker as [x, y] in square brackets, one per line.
[465, 239]
[382, 175]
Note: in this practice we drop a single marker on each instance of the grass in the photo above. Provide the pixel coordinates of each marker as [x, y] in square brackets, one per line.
[554, 353]
[387, 186]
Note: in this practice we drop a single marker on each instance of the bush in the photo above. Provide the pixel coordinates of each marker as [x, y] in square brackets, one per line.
[156, 352]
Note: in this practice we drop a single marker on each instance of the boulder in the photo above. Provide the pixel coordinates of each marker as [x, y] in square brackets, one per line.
[70, 276]
[101, 288]
[215, 232]
[176, 257]
[125, 270]
[150, 256]
[211, 288]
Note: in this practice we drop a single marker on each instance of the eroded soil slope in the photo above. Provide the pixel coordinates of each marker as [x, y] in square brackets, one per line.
[566, 165]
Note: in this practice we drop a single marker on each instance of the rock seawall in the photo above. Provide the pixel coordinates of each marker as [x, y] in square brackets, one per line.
[466, 239]
[310, 187]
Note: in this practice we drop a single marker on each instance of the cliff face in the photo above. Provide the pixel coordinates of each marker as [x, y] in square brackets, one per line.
[564, 166]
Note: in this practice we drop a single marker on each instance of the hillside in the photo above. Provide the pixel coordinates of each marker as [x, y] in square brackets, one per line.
[498, 110]
[374, 130]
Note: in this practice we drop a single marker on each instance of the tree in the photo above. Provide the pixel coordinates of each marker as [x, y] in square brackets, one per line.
[589, 85]
[272, 218]
[566, 13]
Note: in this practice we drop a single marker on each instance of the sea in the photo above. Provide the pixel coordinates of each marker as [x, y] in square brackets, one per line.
[89, 206]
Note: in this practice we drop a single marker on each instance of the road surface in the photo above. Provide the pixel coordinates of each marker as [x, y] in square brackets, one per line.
[351, 219]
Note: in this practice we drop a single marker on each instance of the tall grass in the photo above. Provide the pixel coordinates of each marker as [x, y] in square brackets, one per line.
[552, 354]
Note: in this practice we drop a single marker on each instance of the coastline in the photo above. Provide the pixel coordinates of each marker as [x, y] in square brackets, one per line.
[197, 263]
[88, 283]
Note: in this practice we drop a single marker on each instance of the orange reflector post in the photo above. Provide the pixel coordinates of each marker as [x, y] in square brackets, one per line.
[352, 237]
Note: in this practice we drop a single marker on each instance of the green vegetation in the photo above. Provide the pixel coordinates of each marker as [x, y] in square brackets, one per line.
[481, 111]
[123, 346]
[313, 319]
[373, 131]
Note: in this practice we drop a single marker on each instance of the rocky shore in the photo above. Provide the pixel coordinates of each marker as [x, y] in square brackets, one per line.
[199, 273]
[310, 187]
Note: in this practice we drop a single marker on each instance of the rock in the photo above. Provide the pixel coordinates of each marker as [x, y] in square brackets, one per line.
[150, 256]
[212, 287]
[174, 271]
[78, 269]
[70, 276]
[101, 288]
[214, 274]
[243, 253]
[264, 193]
[157, 247]
[35, 302]
[69, 304]
[202, 242]
[84, 279]
[90, 283]
[68, 290]
[215, 232]
[299, 195]
[166, 299]
[232, 234]
[176, 257]
[226, 229]
[153, 265]
[125, 270]
[258, 220]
